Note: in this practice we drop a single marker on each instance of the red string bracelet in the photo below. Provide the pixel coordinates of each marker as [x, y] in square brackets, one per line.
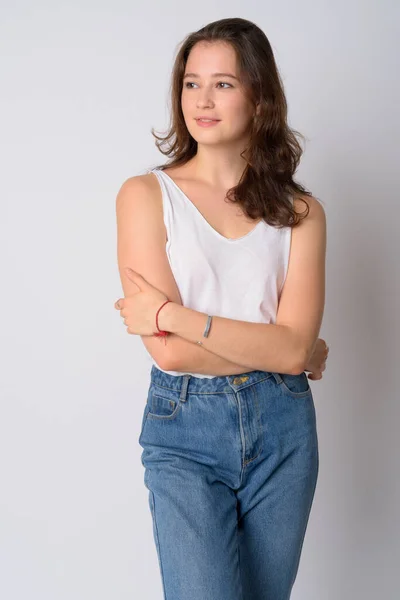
[160, 332]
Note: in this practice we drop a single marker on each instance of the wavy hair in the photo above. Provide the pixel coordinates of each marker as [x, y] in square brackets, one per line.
[274, 152]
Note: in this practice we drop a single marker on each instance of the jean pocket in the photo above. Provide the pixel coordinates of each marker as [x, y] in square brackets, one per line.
[163, 403]
[296, 386]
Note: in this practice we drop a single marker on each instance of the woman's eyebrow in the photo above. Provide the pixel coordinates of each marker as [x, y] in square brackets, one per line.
[213, 75]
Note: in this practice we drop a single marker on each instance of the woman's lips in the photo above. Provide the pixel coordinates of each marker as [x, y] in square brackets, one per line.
[207, 123]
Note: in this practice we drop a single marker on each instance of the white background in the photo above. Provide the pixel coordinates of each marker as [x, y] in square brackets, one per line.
[82, 83]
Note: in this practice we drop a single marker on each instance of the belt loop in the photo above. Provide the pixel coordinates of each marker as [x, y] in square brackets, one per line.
[185, 383]
[277, 377]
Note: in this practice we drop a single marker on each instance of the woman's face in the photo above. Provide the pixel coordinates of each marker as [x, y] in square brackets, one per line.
[208, 93]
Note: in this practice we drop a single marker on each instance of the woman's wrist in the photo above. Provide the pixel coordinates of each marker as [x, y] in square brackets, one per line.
[166, 317]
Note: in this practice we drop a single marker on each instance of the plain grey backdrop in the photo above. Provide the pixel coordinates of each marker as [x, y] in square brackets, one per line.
[82, 83]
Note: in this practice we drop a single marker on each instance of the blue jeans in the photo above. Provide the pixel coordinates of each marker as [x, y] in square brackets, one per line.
[231, 465]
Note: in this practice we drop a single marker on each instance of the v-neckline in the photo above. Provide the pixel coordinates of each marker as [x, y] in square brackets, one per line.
[202, 216]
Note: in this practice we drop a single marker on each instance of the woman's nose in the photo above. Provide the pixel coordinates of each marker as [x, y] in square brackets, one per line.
[205, 98]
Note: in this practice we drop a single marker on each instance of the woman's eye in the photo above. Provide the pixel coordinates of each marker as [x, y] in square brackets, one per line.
[189, 83]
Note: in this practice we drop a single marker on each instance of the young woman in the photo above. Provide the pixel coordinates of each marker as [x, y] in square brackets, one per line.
[227, 293]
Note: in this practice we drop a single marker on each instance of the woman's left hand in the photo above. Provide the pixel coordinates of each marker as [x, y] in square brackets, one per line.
[139, 311]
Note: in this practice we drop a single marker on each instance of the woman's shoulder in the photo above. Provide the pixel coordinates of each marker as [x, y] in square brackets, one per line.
[140, 195]
[143, 184]
[141, 192]
[312, 204]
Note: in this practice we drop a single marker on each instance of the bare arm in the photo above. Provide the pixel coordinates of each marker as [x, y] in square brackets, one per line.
[255, 345]
[196, 359]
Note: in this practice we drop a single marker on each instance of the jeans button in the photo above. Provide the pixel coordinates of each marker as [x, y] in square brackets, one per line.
[238, 380]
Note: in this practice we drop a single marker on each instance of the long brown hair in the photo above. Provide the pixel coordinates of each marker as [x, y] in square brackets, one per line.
[274, 152]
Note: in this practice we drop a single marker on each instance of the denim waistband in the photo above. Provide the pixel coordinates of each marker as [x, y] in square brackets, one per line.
[189, 384]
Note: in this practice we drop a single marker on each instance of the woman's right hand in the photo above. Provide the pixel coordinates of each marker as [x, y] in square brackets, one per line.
[317, 363]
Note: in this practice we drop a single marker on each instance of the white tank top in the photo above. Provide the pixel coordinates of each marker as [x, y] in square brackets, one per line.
[239, 278]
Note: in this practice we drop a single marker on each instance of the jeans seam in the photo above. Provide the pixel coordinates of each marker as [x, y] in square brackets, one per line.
[305, 526]
[246, 462]
[238, 558]
[158, 543]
